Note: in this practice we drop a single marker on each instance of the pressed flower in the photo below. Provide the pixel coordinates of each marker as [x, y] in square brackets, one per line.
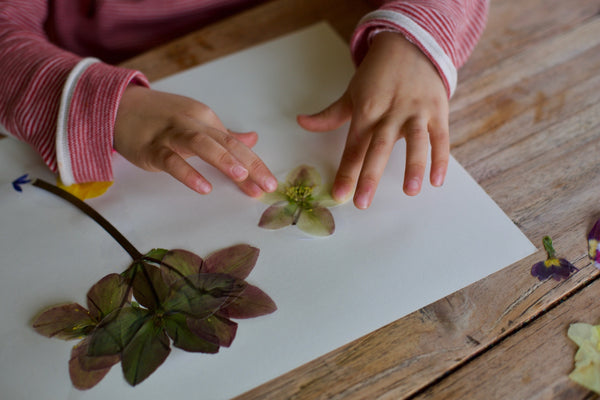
[557, 268]
[85, 191]
[587, 357]
[594, 244]
[300, 201]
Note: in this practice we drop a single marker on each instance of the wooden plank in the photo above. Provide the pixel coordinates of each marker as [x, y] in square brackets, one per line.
[531, 365]
[271, 20]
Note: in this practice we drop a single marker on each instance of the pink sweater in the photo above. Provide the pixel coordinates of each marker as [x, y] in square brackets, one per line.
[64, 103]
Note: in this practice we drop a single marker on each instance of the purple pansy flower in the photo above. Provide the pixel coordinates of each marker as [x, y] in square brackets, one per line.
[594, 244]
[557, 268]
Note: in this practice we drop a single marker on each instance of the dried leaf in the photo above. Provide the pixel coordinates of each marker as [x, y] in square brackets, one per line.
[253, 302]
[107, 295]
[278, 215]
[149, 288]
[201, 295]
[216, 329]
[67, 321]
[146, 351]
[86, 371]
[237, 261]
[116, 330]
[179, 263]
[177, 328]
[317, 222]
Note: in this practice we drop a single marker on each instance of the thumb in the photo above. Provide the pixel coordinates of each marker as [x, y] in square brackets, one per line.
[330, 118]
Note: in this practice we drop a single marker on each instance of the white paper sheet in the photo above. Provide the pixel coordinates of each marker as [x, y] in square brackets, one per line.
[381, 264]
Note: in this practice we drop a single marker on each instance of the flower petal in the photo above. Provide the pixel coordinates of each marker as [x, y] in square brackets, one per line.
[278, 215]
[587, 357]
[317, 222]
[237, 261]
[253, 302]
[67, 321]
[594, 244]
[304, 175]
[87, 190]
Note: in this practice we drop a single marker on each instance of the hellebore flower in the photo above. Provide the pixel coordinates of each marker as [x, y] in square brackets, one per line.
[594, 244]
[557, 268]
[300, 201]
[587, 357]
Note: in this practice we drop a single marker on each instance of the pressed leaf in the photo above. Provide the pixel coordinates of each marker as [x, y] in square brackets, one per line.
[201, 295]
[253, 302]
[107, 295]
[86, 371]
[149, 288]
[183, 337]
[278, 215]
[304, 175]
[237, 261]
[116, 330]
[146, 351]
[67, 321]
[317, 222]
[179, 263]
[156, 254]
[216, 328]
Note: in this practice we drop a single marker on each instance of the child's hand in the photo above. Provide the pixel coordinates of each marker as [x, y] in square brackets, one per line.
[395, 93]
[158, 131]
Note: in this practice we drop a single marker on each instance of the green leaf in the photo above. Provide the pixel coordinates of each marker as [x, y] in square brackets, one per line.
[317, 222]
[278, 215]
[86, 371]
[253, 302]
[67, 321]
[106, 295]
[177, 328]
[304, 175]
[146, 351]
[149, 288]
[201, 295]
[156, 254]
[216, 329]
[179, 263]
[237, 261]
[116, 330]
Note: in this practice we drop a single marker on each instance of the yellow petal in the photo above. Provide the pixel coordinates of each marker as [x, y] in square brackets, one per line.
[87, 190]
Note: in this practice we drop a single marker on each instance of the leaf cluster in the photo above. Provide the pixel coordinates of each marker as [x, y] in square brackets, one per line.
[167, 297]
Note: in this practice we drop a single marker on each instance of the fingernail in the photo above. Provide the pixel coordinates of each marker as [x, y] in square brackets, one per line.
[239, 172]
[438, 180]
[203, 187]
[270, 184]
[362, 201]
[340, 192]
[413, 185]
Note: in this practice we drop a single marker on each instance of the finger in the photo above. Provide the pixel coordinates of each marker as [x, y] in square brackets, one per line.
[173, 164]
[376, 158]
[330, 118]
[417, 143]
[250, 188]
[440, 151]
[248, 138]
[234, 151]
[351, 163]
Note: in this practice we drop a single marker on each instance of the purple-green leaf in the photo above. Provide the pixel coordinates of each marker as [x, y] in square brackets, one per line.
[106, 295]
[217, 329]
[67, 321]
[201, 295]
[317, 222]
[177, 328]
[146, 351]
[253, 302]
[116, 330]
[86, 371]
[304, 175]
[180, 263]
[279, 215]
[149, 288]
[237, 261]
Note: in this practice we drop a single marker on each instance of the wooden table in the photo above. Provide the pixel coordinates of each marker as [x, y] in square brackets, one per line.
[525, 122]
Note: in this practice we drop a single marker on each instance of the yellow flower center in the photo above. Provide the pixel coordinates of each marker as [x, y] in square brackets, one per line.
[552, 262]
[300, 194]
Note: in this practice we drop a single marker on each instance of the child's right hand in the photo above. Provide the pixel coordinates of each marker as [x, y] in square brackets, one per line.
[157, 131]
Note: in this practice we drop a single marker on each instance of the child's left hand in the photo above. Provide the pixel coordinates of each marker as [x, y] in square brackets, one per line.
[395, 93]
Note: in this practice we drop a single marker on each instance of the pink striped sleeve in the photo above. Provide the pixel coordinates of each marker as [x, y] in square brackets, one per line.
[33, 73]
[446, 31]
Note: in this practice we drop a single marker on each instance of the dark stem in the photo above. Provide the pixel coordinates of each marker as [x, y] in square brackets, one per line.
[108, 227]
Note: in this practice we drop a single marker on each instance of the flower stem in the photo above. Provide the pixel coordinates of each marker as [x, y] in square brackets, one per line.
[89, 211]
[549, 247]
